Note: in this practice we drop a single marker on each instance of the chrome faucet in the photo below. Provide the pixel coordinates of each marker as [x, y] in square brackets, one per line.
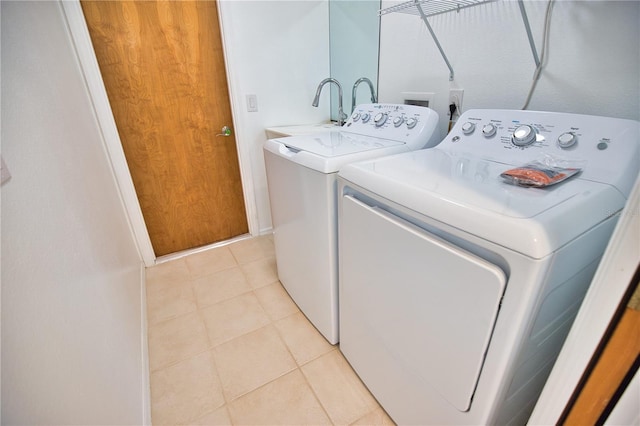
[355, 87]
[316, 100]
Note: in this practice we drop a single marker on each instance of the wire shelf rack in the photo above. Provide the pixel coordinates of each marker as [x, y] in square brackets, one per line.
[427, 8]
[432, 7]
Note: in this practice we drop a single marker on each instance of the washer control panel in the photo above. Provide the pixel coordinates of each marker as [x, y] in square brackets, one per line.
[608, 147]
[414, 125]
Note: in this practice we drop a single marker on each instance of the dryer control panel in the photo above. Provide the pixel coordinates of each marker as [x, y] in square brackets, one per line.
[607, 149]
[414, 125]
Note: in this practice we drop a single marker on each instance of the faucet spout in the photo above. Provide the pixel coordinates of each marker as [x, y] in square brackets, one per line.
[355, 87]
[316, 99]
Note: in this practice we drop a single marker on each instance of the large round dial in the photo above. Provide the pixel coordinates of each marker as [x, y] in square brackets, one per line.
[380, 118]
[523, 135]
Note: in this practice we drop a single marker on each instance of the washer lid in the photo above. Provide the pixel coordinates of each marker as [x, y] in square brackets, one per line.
[327, 152]
[468, 193]
[336, 143]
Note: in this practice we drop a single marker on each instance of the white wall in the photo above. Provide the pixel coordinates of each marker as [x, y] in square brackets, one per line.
[279, 51]
[72, 329]
[593, 62]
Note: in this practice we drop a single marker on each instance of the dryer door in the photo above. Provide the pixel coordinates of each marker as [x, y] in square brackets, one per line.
[416, 302]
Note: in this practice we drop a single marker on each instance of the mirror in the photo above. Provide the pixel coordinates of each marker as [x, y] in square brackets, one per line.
[354, 41]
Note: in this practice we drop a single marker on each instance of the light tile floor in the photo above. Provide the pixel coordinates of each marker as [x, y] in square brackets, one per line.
[228, 346]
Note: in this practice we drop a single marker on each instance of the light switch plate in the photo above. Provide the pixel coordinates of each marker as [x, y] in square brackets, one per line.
[252, 103]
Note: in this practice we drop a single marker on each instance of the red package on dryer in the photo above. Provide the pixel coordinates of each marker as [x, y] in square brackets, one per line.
[539, 174]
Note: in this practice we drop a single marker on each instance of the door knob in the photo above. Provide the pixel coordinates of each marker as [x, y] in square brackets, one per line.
[226, 131]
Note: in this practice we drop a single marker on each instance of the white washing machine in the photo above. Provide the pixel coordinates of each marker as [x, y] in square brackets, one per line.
[457, 289]
[302, 182]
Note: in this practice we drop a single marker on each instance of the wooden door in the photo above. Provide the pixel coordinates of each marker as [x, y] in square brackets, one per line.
[163, 69]
[614, 364]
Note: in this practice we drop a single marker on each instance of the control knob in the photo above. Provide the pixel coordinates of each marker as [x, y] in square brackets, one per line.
[468, 128]
[411, 122]
[365, 117]
[397, 122]
[523, 135]
[567, 140]
[380, 118]
[355, 116]
[489, 130]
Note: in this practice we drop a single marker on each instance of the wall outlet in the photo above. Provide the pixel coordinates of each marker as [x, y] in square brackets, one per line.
[455, 97]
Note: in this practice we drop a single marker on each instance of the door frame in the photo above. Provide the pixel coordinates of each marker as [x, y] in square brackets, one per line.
[98, 95]
[614, 276]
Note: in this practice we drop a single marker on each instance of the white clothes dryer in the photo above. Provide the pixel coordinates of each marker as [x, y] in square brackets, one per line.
[457, 289]
[302, 182]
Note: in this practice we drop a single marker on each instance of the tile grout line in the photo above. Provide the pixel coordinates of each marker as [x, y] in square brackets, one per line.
[299, 366]
[210, 345]
[326, 411]
[286, 346]
[229, 402]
